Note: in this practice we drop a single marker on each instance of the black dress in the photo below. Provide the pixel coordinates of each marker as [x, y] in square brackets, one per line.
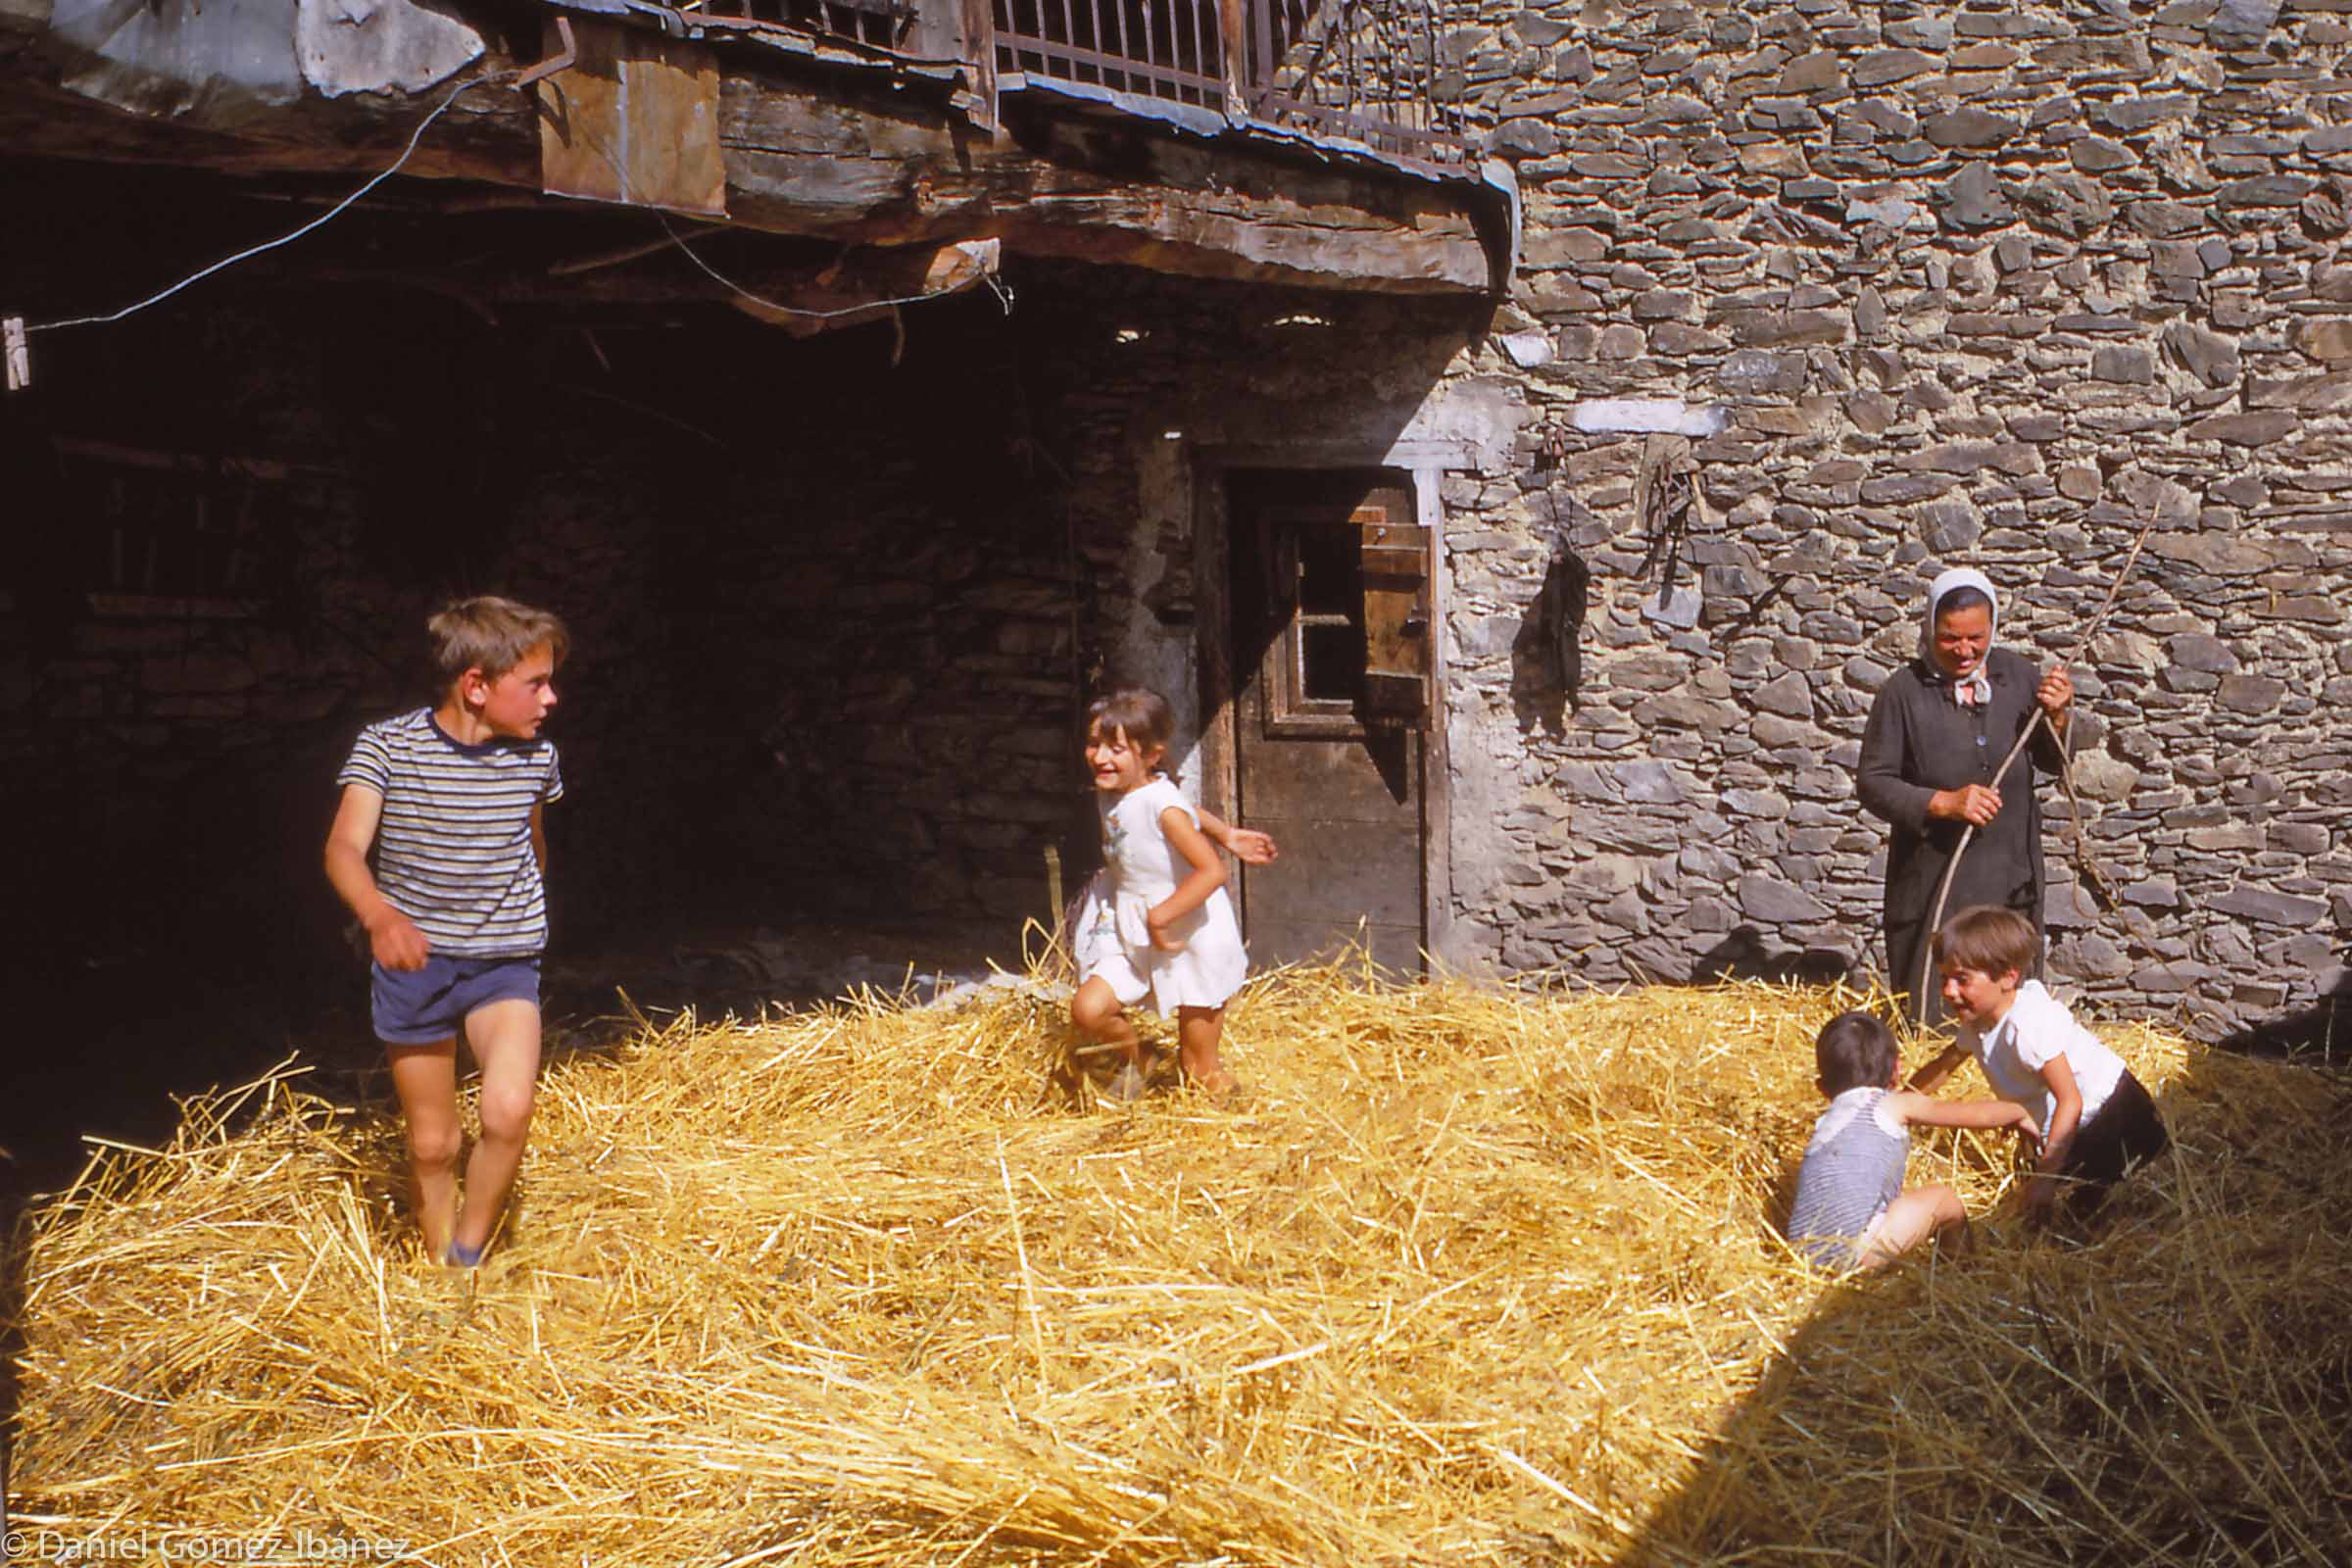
[1919, 741]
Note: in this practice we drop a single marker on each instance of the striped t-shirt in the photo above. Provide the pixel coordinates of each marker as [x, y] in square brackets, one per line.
[453, 847]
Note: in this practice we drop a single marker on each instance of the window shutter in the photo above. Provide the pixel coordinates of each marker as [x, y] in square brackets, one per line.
[1396, 562]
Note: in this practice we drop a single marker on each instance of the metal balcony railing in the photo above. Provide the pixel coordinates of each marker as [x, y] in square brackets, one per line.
[1361, 71]
[877, 24]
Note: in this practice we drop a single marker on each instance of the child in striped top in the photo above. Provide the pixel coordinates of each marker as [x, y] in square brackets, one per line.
[1850, 1209]
[450, 799]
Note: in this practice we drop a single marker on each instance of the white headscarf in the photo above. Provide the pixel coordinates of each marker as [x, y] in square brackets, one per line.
[1977, 685]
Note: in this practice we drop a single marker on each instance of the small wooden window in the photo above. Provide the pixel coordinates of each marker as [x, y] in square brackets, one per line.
[168, 532]
[1350, 590]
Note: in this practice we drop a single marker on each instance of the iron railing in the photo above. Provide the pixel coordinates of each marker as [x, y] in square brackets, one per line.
[1362, 71]
[1366, 70]
[877, 24]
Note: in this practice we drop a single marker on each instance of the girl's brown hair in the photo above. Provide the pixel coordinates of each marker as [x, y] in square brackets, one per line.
[1141, 715]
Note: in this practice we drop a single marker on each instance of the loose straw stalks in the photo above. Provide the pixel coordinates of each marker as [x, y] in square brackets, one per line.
[2066, 771]
[1479, 1277]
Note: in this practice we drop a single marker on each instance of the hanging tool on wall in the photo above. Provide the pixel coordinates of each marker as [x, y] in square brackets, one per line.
[1550, 640]
[1555, 625]
[1664, 498]
[1552, 449]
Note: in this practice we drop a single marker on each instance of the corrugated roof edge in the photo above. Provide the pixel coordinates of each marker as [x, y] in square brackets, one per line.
[1204, 121]
[768, 35]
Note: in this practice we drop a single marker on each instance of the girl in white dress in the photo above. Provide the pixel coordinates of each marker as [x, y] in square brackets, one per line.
[1161, 924]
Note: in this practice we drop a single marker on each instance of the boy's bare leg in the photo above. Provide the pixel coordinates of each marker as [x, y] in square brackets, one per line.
[1912, 1218]
[505, 1036]
[1199, 1033]
[1095, 1009]
[425, 1078]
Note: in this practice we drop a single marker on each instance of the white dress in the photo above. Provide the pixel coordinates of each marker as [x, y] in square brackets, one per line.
[1140, 867]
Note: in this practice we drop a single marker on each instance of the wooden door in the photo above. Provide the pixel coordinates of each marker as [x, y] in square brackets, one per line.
[1331, 615]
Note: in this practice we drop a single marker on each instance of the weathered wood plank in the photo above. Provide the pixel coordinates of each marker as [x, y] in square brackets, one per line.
[1094, 190]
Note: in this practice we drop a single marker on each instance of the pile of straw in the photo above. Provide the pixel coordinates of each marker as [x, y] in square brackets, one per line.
[1471, 1276]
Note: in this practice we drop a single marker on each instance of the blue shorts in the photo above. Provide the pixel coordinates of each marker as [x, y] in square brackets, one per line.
[422, 1006]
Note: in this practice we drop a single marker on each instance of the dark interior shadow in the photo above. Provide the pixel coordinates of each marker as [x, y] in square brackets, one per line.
[1546, 655]
[13, 1254]
[1744, 954]
[1392, 753]
[2321, 1034]
[2092, 1396]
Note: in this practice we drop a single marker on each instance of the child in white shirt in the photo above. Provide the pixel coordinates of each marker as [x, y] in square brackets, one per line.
[2097, 1120]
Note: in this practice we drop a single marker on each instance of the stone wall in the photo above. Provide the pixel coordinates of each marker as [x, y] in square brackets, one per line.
[1988, 285]
[1922, 287]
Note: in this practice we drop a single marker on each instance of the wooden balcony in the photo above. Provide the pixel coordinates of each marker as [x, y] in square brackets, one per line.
[1282, 141]
[1361, 73]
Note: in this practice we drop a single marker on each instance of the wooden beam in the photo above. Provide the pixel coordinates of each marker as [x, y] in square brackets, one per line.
[1095, 189]
[840, 156]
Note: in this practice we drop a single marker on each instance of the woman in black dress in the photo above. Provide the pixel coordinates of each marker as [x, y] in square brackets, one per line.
[1940, 727]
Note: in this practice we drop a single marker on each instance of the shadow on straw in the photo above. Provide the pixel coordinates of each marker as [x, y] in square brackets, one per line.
[2169, 1388]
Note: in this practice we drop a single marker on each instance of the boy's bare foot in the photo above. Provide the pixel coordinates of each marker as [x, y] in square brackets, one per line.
[438, 1224]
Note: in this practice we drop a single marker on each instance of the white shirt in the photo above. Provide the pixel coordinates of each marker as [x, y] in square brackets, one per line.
[2035, 1031]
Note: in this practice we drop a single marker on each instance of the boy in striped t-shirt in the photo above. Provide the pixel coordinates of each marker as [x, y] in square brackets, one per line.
[450, 798]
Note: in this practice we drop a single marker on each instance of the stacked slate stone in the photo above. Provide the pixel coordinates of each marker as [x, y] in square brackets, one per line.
[1985, 285]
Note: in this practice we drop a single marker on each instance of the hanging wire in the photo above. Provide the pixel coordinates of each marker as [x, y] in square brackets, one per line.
[316, 223]
[1002, 292]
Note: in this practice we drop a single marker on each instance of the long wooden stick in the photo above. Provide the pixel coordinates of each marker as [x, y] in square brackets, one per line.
[2098, 616]
[2065, 760]
[1926, 955]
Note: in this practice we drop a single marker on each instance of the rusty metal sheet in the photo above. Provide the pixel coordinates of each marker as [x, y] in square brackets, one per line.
[634, 118]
